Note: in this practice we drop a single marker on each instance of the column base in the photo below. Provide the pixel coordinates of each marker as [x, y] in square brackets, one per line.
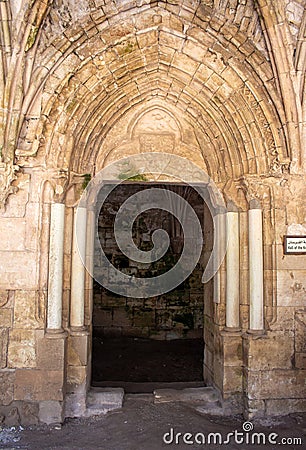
[79, 331]
[256, 332]
[231, 331]
[55, 333]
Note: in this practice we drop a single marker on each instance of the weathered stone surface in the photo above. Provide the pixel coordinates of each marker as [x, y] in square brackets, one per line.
[300, 332]
[271, 351]
[291, 287]
[50, 412]
[18, 270]
[282, 407]
[28, 413]
[232, 349]
[189, 395]
[21, 349]
[3, 347]
[78, 348]
[12, 418]
[51, 353]
[76, 376]
[38, 385]
[7, 380]
[75, 404]
[102, 400]
[26, 310]
[276, 384]
[6, 317]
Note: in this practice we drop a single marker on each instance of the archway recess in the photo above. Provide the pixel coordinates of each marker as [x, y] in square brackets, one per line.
[219, 84]
[161, 85]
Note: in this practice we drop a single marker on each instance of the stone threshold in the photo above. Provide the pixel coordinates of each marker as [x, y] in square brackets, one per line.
[101, 400]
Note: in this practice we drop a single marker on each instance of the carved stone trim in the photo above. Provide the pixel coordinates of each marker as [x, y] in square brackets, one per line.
[7, 176]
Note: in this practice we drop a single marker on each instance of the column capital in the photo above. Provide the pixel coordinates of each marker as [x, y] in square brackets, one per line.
[255, 204]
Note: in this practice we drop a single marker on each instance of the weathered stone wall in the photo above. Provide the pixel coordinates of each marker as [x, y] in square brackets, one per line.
[175, 314]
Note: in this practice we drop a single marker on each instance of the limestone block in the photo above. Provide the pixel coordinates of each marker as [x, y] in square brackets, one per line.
[32, 225]
[51, 353]
[208, 333]
[102, 316]
[144, 318]
[277, 384]
[244, 316]
[21, 349]
[18, 271]
[3, 347]
[254, 408]
[78, 350]
[289, 262]
[6, 317]
[16, 203]
[182, 62]
[147, 39]
[25, 310]
[37, 385]
[270, 352]
[12, 418]
[50, 411]
[103, 400]
[300, 360]
[76, 376]
[300, 331]
[12, 234]
[75, 404]
[218, 372]
[4, 298]
[284, 320]
[282, 407]
[208, 376]
[190, 395]
[208, 358]
[28, 413]
[194, 50]
[232, 379]
[291, 286]
[7, 379]
[232, 350]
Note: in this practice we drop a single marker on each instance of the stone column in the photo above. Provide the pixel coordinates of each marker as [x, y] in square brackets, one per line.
[56, 257]
[78, 269]
[256, 267]
[90, 242]
[219, 253]
[232, 271]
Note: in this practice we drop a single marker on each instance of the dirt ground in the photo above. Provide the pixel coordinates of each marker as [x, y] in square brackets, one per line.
[141, 425]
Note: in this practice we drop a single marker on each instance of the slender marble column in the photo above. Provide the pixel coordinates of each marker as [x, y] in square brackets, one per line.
[90, 242]
[56, 257]
[78, 268]
[232, 271]
[219, 253]
[256, 269]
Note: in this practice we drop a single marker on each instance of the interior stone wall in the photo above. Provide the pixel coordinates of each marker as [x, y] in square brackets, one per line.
[173, 315]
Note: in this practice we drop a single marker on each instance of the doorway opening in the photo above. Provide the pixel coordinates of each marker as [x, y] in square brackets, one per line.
[155, 340]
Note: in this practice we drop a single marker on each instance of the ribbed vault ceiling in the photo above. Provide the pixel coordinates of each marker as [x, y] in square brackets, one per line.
[208, 70]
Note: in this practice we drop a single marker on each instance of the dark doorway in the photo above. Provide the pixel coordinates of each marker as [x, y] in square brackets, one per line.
[157, 339]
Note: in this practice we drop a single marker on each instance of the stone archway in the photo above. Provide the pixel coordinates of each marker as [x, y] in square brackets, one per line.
[187, 79]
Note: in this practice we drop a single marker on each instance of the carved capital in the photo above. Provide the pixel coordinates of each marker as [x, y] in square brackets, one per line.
[7, 176]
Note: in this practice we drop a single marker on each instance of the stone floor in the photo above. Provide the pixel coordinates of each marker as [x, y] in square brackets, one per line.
[141, 424]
